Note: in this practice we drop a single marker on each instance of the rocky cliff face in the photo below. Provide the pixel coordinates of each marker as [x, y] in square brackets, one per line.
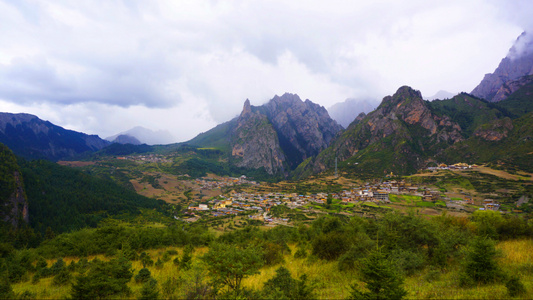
[395, 137]
[32, 138]
[518, 63]
[13, 200]
[276, 136]
[304, 128]
[255, 143]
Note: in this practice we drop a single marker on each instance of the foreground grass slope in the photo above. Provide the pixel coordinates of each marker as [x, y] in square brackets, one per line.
[430, 257]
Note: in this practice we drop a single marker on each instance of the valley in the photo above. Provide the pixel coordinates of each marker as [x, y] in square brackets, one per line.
[415, 199]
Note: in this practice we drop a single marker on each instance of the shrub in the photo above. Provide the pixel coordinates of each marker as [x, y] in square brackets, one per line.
[103, 280]
[514, 286]
[480, 264]
[150, 290]
[330, 246]
[382, 280]
[159, 264]
[62, 278]
[143, 276]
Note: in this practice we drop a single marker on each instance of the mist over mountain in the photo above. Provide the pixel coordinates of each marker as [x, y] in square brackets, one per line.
[143, 136]
[346, 112]
[509, 75]
[126, 139]
[441, 95]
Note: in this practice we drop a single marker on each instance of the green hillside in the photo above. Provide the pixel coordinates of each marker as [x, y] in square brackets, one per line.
[66, 199]
[218, 137]
[515, 150]
[8, 165]
[468, 111]
[521, 101]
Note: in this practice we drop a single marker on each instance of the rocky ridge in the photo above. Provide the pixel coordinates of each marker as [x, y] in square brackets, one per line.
[403, 129]
[505, 79]
[276, 136]
[255, 143]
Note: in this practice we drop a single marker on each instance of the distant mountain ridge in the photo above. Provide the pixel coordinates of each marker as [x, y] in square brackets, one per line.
[30, 137]
[126, 139]
[345, 112]
[142, 136]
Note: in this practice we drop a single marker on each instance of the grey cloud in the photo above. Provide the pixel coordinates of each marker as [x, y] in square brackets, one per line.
[35, 80]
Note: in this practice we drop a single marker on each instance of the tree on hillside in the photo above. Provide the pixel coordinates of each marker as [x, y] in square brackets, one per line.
[480, 265]
[283, 286]
[381, 279]
[229, 264]
[103, 280]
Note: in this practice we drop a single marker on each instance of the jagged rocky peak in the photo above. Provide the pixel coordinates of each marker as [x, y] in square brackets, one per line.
[247, 109]
[506, 78]
[303, 127]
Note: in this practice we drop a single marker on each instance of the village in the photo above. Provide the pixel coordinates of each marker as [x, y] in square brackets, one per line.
[207, 183]
[371, 194]
[149, 158]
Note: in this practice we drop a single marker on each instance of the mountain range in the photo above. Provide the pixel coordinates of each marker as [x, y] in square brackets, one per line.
[290, 137]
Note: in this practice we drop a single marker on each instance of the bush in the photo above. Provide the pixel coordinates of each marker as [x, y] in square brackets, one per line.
[150, 290]
[330, 246]
[143, 276]
[406, 261]
[283, 286]
[146, 260]
[480, 264]
[382, 280]
[62, 278]
[159, 264]
[514, 286]
[103, 280]
[300, 253]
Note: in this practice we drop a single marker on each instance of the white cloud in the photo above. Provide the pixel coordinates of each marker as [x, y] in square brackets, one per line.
[103, 66]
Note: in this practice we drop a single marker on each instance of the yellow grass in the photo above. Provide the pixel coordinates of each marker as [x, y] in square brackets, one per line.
[329, 282]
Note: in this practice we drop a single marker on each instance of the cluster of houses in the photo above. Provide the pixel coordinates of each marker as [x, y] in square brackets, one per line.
[153, 158]
[457, 166]
[210, 184]
[237, 203]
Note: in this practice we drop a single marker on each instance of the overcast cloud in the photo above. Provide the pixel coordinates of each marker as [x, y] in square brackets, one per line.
[103, 67]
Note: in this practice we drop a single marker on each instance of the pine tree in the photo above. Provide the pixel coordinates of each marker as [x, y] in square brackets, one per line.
[382, 280]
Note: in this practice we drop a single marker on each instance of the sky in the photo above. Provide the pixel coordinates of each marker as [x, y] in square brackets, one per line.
[103, 67]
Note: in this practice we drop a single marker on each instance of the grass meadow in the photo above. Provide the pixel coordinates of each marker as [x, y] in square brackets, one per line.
[516, 257]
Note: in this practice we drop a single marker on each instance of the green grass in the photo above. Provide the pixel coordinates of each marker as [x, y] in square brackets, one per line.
[409, 199]
[425, 204]
[440, 203]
